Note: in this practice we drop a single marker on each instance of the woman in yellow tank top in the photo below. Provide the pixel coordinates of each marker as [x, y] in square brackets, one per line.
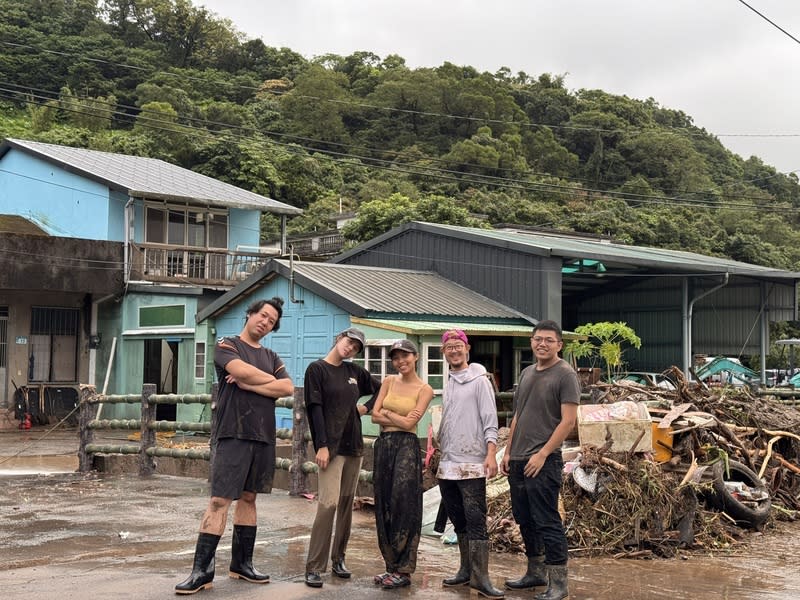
[397, 478]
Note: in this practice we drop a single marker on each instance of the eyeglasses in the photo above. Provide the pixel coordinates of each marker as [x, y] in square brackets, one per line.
[541, 340]
[455, 348]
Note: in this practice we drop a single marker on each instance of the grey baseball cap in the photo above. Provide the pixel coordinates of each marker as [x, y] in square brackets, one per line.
[355, 334]
[405, 346]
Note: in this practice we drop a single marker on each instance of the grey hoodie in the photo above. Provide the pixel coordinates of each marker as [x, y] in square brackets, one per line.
[469, 416]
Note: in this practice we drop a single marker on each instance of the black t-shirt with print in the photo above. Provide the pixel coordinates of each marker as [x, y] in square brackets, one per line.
[243, 414]
[337, 389]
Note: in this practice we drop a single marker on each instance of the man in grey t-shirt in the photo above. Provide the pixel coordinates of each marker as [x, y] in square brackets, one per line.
[545, 410]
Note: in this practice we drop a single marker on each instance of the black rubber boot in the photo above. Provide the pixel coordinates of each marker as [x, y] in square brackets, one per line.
[479, 565]
[465, 570]
[203, 568]
[557, 588]
[535, 575]
[244, 539]
[339, 569]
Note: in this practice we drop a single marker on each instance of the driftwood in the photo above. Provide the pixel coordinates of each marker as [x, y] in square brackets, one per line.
[641, 509]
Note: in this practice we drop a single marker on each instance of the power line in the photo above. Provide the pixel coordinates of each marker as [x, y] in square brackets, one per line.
[768, 20]
[628, 131]
[418, 170]
[184, 76]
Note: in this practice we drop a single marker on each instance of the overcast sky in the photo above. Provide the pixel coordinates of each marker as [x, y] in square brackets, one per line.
[734, 73]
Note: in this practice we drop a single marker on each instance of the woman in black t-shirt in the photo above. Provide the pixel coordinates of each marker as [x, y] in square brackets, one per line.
[332, 388]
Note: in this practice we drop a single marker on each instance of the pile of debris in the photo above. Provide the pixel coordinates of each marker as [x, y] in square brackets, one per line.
[732, 465]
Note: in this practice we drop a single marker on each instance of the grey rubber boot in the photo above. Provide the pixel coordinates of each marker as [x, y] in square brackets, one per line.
[479, 564]
[462, 577]
[535, 575]
[557, 588]
[203, 568]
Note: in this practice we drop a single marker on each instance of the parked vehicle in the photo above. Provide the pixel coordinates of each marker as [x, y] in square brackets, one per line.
[648, 379]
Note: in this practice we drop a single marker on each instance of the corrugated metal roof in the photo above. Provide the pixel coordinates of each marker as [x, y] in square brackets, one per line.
[468, 326]
[149, 177]
[569, 247]
[396, 291]
[439, 327]
[376, 292]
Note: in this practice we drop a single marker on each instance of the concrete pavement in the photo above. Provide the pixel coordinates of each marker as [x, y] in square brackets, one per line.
[67, 536]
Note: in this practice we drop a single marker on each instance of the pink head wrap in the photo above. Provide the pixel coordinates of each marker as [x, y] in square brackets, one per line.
[454, 334]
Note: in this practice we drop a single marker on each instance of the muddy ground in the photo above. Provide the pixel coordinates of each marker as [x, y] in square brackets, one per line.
[65, 535]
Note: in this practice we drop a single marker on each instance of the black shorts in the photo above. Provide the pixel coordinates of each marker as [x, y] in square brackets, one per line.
[242, 466]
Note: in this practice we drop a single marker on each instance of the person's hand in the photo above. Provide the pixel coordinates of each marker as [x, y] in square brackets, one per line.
[504, 462]
[534, 464]
[490, 466]
[323, 458]
[362, 410]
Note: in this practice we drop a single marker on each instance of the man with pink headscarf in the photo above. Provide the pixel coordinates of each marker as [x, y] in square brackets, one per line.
[468, 442]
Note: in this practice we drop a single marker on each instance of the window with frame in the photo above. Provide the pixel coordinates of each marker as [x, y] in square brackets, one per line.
[375, 358]
[53, 352]
[522, 358]
[434, 369]
[185, 226]
[200, 360]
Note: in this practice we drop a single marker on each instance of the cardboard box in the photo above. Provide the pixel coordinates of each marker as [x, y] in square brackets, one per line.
[621, 422]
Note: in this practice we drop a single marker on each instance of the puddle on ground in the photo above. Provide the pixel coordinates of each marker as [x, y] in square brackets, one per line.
[38, 465]
[94, 521]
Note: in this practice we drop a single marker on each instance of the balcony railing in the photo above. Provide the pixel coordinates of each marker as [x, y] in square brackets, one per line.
[183, 264]
[315, 245]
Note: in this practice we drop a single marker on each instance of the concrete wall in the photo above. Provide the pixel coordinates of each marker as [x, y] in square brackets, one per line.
[58, 264]
[19, 305]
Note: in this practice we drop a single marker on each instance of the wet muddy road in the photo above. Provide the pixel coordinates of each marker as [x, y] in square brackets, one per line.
[65, 535]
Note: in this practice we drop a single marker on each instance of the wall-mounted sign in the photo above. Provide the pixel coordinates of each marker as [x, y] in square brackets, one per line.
[22, 340]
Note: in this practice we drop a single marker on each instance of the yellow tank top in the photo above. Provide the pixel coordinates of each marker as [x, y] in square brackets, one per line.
[402, 405]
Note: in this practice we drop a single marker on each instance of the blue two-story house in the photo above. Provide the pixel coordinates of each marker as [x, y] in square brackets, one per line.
[106, 260]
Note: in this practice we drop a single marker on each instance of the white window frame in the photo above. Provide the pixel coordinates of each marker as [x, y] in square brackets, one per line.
[199, 360]
[427, 360]
[383, 345]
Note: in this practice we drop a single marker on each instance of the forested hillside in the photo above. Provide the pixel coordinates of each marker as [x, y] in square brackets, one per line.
[168, 79]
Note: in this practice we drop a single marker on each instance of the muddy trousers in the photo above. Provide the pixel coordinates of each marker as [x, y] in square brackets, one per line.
[397, 483]
[465, 502]
[337, 488]
[534, 503]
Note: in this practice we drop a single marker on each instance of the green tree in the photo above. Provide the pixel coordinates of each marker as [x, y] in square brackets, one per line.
[315, 108]
[604, 340]
[380, 215]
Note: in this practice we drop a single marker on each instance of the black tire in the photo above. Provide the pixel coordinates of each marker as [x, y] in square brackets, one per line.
[721, 498]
